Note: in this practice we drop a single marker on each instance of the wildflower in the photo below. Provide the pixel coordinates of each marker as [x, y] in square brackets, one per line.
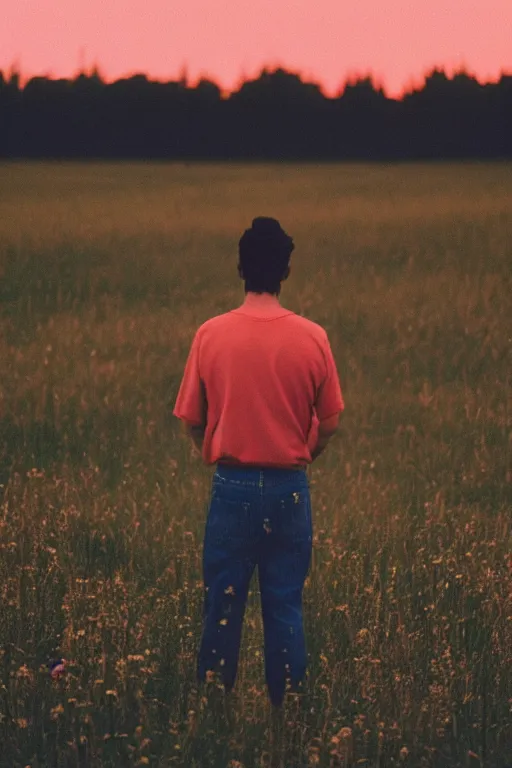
[344, 736]
[56, 711]
[343, 744]
[57, 669]
[24, 671]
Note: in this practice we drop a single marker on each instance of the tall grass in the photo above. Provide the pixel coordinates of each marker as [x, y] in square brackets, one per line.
[106, 271]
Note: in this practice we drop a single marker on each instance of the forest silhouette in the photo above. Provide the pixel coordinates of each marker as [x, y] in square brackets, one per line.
[276, 116]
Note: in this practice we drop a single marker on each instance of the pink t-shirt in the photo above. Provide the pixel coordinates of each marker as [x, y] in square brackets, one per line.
[261, 378]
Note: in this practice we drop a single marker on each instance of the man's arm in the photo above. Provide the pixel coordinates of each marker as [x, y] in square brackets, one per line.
[329, 400]
[196, 433]
[326, 429]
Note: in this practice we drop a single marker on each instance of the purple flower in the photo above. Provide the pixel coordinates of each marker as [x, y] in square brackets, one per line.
[57, 668]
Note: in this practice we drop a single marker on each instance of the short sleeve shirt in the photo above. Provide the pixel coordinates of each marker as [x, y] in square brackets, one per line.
[259, 379]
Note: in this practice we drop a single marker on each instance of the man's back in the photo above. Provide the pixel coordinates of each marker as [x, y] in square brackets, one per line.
[268, 376]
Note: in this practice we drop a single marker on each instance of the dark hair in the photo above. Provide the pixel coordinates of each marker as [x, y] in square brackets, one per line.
[264, 252]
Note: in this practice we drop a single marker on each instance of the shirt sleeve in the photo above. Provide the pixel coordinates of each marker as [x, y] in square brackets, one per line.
[329, 399]
[191, 405]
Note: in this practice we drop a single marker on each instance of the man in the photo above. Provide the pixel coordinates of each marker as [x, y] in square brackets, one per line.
[260, 398]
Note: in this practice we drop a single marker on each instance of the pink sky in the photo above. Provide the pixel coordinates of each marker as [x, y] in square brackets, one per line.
[323, 40]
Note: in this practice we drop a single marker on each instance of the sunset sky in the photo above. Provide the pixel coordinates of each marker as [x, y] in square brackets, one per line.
[226, 40]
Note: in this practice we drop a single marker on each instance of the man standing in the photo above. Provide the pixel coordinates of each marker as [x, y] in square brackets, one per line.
[261, 398]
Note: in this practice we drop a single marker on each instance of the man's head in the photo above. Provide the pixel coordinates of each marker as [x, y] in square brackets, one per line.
[264, 256]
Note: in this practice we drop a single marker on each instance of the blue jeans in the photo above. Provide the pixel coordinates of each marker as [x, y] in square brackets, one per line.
[256, 516]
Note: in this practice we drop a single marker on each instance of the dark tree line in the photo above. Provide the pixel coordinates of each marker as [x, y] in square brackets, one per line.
[276, 116]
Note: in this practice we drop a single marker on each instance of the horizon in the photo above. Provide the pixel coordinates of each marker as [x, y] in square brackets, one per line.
[413, 83]
[230, 41]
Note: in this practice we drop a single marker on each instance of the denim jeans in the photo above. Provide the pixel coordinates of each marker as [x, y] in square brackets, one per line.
[256, 517]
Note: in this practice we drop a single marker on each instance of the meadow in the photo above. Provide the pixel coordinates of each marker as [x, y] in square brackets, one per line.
[106, 271]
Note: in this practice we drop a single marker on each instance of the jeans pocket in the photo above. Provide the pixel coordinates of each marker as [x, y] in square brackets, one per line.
[294, 514]
[227, 521]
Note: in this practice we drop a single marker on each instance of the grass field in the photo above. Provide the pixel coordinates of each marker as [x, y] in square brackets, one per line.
[106, 271]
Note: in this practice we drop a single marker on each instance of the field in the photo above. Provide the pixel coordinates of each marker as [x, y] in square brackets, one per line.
[106, 271]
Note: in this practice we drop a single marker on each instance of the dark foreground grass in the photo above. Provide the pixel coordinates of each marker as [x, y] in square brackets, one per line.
[106, 271]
